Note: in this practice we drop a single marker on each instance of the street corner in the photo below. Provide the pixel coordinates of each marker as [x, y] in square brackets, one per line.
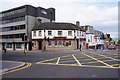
[12, 66]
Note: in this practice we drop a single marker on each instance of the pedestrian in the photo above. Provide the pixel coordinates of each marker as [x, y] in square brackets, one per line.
[5, 50]
[80, 47]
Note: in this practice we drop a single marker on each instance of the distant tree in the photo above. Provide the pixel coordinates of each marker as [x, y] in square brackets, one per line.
[110, 39]
[118, 41]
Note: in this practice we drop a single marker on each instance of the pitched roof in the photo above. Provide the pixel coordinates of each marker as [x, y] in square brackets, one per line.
[57, 26]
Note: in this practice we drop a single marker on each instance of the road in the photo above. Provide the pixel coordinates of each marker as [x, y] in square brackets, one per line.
[66, 64]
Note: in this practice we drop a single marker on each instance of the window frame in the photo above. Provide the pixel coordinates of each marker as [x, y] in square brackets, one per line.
[40, 33]
[50, 33]
[34, 33]
[59, 32]
[69, 33]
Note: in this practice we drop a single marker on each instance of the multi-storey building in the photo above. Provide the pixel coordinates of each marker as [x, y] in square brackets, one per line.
[19, 21]
[57, 36]
[90, 33]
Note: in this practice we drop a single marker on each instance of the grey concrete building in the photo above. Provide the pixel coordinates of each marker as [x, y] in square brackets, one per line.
[19, 21]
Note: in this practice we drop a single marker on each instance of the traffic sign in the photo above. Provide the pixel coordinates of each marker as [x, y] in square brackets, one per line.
[95, 37]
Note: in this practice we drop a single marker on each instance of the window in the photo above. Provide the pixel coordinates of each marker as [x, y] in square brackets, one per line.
[63, 43]
[60, 43]
[77, 33]
[40, 33]
[49, 33]
[34, 33]
[13, 20]
[69, 43]
[18, 45]
[55, 43]
[69, 33]
[59, 33]
[49, 43]
[9, 45]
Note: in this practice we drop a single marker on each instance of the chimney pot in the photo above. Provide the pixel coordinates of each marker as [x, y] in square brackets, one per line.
[77, 23]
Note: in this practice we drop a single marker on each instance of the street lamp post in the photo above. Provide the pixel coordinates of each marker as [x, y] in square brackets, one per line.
[44, 41]
[79, 39]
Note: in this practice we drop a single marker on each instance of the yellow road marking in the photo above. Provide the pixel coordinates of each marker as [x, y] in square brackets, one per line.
[114, 64]
[66, 61]
[76, 60]
[107, 60]
[98, 60]
[58, 60]
[28, 64]
[45, 60]
[108, 57]
[90, 62]
[81, 65]
[66, 55]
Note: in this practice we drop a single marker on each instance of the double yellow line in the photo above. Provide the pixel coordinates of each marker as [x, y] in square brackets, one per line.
[27, 65]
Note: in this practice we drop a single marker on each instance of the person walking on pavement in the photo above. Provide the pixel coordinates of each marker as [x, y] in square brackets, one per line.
[80, 47]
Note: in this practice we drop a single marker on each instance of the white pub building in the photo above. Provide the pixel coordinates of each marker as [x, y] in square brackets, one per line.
[58, 36]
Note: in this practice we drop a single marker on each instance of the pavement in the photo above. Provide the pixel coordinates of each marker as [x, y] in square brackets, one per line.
[10, 65]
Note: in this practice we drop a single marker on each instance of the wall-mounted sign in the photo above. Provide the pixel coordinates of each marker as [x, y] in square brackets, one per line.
[43, 11]
[95, 37]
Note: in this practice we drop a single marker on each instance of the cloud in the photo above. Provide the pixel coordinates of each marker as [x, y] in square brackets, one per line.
[103, 18]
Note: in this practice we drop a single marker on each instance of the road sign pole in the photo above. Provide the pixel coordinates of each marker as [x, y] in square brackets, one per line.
[24, 44]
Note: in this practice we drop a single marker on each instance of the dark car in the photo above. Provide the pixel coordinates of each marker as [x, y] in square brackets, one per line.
[111, 47]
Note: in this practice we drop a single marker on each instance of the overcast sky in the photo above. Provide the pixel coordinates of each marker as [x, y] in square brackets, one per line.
[101, 14]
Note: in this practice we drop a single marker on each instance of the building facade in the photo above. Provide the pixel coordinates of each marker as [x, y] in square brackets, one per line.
[19, 21]
[90, 41]
[57, 36]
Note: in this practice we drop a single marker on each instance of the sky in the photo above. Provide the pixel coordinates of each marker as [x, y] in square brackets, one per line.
[101, 14]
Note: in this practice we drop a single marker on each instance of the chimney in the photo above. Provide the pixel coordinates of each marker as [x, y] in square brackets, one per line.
[39, 21]
[77, 23]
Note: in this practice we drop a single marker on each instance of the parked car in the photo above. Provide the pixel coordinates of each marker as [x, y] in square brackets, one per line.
[111, 47]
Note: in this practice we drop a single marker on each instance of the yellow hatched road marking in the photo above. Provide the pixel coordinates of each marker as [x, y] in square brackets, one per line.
[108, 57]
[45, 60]
[98, 60]
[81, 65]
[76, 60]
[58, 60]
[66, 61]
[90, 62]
[107, 60]
[28, 64]
[115, 64]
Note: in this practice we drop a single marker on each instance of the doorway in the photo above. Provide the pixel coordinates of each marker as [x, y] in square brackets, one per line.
[40, 45]
[13, 46]
[77, 44]
[86, 45]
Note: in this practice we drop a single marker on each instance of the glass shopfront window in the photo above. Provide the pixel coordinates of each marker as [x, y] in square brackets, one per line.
[60, 43]
[69, 43]
[55, 43]
[19, 45]
[49, 43]
[63, 43]
[9, 45]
